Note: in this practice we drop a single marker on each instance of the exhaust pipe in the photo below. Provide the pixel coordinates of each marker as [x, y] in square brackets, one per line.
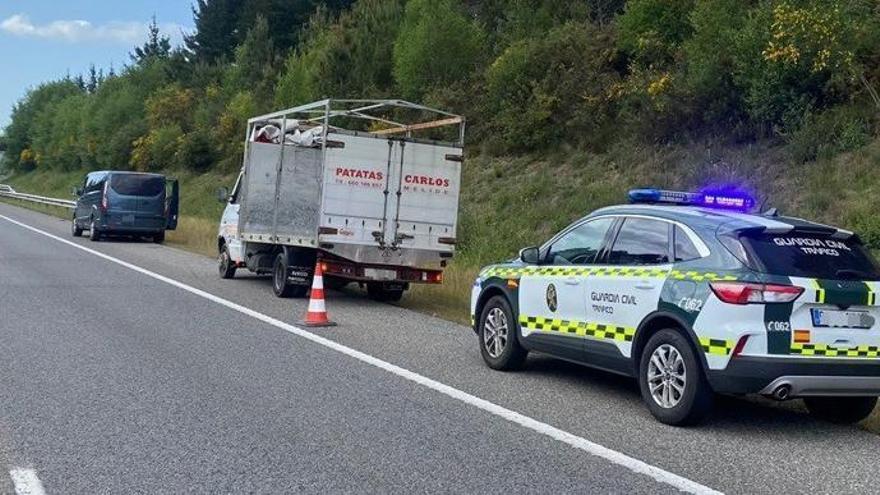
[782, 392]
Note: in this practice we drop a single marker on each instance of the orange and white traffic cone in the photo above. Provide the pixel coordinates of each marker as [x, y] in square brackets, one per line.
[317, 314]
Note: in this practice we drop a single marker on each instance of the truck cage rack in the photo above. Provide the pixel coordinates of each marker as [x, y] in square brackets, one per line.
[324, 112]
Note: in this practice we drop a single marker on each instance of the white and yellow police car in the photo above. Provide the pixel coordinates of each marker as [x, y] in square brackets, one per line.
[693, 296]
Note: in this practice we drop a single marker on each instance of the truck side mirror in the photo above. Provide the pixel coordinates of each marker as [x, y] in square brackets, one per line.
[223, 195]
[530, 255]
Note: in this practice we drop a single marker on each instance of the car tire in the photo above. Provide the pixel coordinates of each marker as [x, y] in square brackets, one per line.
[94, 234]
[225, 264]
[669, 365]
[74, 228]
[379, 293]
[498, 334]
[159, 238]
[841, 410]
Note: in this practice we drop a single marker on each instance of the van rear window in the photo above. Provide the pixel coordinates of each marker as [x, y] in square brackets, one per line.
[137, 185]
[798, 254]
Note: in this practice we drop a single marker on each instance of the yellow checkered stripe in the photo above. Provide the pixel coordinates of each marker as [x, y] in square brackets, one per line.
[716, 346]
[602, 271]
[578, 328]
[823, 350]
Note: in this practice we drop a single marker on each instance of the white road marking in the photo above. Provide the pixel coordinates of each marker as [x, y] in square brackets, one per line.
[613, 456]
[26, 482]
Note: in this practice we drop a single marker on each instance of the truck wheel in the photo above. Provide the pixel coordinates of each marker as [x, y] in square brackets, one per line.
[841, 410]
[74, 228]
[499, 336]
[225, 264]
[378, 292]
[94, 235]
[159, 238]
[281, 286]
[672, 381]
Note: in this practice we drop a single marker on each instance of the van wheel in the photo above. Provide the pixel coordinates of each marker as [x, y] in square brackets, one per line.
[381, 293]
[499, 336]
[672, 381]
[841, 410]
[74, 228]
[94, 235]
[225, 264]
[159, 238]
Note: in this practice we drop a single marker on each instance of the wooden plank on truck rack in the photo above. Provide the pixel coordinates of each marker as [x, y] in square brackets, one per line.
[420, 126]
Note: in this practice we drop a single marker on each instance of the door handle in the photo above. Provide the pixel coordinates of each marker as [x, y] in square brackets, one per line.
[645, 285]
[571, 281]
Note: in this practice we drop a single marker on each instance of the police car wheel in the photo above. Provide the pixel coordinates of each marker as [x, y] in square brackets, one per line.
[841, 410]
[672, 381]
[499, 339]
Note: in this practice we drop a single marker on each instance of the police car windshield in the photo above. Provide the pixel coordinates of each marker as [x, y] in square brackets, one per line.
[798, 254]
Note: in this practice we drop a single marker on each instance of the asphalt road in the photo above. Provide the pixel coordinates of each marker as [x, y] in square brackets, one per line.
[112, 380]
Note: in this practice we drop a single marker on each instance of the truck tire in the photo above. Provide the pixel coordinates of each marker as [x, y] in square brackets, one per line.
[379, 292]
[841, 410]
[159, 238]
[225, 264]
[74, 228]
[498, 332]
[281, 286]
[672, 380]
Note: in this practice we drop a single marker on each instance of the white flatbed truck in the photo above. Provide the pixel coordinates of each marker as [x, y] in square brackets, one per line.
[346, 182]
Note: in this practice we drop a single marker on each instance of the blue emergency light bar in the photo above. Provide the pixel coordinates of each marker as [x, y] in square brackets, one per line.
[726, 200]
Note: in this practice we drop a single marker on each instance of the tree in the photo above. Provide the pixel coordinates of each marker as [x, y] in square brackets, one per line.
[156, 46]
[254, 66]
[217, 29]
[437, 45]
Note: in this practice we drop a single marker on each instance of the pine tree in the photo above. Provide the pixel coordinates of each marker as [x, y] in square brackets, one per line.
[156, 47]
[92, 84]
[217, 29]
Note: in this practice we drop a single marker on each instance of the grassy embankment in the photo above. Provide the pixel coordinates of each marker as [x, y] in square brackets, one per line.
[508, 203]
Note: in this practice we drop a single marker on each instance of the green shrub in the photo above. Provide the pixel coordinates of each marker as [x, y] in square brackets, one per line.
[195, 151]
[825, 134]
[437, 45]
[554, 88]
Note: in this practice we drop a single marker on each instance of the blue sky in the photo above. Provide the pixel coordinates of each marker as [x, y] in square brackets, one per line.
[44, 39]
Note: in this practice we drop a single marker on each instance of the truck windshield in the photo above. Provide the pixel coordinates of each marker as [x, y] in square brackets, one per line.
[801, 254]
[137, 185]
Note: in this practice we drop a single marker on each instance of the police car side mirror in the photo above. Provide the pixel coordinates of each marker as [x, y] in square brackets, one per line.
[530, 255]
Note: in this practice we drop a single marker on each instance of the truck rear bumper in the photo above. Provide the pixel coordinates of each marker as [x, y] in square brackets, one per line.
[802, 376]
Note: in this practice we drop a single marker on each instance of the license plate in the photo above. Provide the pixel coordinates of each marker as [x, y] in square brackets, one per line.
[377, 274]
[127, 218]
[841, 319]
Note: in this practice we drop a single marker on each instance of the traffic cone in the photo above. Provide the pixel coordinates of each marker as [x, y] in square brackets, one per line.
[317, 314]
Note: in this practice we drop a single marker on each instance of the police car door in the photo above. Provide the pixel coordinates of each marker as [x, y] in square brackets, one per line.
[552, 295]
[626, 288]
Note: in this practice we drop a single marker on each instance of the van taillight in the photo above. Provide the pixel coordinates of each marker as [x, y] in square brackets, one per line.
[749, 293]
[105, 200]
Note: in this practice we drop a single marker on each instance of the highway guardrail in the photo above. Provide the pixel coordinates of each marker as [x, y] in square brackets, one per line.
[8, 192]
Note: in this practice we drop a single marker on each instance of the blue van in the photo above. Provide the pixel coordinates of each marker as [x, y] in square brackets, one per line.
[126, 203]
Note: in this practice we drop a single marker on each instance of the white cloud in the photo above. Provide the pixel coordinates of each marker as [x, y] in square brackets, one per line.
[74, 31]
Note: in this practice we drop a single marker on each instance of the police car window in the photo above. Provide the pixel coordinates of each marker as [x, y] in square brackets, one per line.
[684, 247]
[641, 241]
[581, 245]
[797, 254]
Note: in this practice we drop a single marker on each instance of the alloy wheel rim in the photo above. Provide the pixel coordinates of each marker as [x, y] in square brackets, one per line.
[495, 332]
[667, 376]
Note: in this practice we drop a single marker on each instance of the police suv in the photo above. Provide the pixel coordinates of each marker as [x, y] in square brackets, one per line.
[692, 296]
